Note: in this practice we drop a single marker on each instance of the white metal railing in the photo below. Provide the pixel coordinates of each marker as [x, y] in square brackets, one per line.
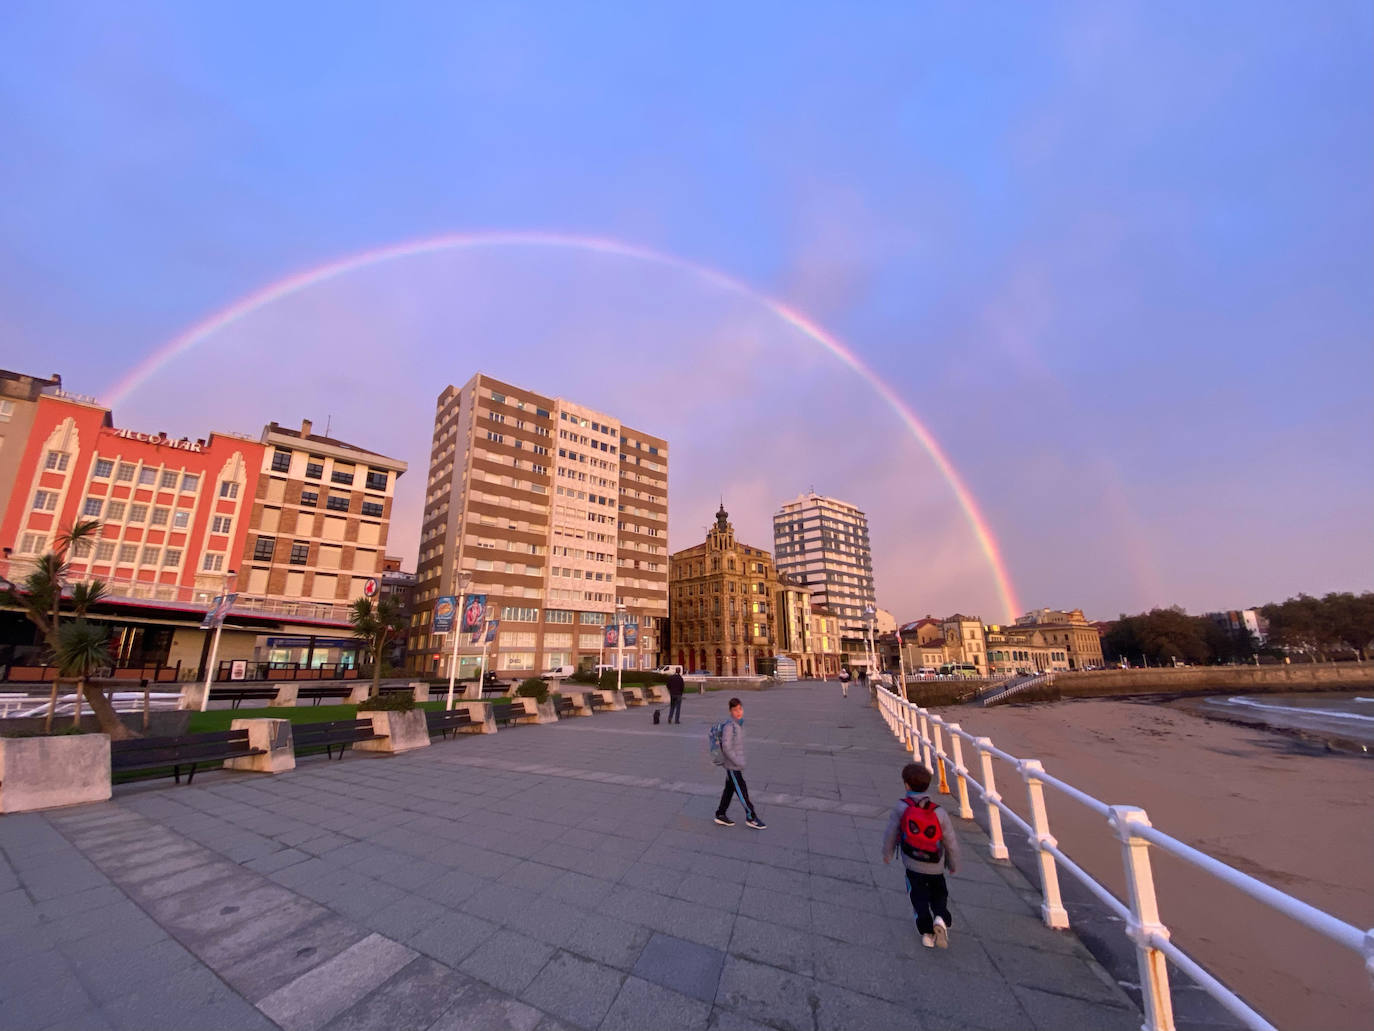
[921, 732]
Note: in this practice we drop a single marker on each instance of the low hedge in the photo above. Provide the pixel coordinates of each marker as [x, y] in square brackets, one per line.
[388, 703]
[535, 688]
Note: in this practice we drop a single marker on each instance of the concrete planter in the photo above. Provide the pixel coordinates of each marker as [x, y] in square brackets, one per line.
[581, 704]
[272, 735]
[45, 772]
[633, 695]
[537, 711]
[483, 722]
[611, 699]
[401, 731]
[420, 691]
[657, 693]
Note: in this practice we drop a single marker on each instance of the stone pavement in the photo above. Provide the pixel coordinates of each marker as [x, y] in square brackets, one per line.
[562, 876]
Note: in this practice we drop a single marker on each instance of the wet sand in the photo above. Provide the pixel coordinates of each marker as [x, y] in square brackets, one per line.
[1279, 808]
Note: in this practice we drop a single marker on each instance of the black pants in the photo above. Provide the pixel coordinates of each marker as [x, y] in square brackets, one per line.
[734, 781]
[929, 898]
[675, 708]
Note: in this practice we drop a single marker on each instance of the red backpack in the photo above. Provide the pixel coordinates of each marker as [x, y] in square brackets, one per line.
[923, 839]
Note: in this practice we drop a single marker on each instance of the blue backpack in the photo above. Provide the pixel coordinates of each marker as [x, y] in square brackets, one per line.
[713, 737]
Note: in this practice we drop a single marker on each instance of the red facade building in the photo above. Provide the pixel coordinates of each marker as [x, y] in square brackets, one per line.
[174, 513]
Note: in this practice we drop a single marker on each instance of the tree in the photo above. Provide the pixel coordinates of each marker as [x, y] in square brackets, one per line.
[376, 624]
[82, 648]
[1350, 618]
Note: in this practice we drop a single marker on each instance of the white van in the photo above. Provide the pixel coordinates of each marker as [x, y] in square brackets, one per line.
[668, 671]
[558, 673]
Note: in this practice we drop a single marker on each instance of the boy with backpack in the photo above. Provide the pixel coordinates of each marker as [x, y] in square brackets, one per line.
[929, 847]
[727, 749]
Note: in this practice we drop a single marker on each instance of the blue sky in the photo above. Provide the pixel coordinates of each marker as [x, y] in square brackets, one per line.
[1118, 257]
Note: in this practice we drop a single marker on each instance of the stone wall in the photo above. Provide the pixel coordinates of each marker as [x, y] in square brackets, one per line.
[1321, 676]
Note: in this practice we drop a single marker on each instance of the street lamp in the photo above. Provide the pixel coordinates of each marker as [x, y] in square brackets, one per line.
[456, 629]
[214, 645]
[619, 642]
[872, 649]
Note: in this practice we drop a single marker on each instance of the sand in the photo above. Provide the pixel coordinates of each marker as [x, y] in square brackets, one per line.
[1282, 810]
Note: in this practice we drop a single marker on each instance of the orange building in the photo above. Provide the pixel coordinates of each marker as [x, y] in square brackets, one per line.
[173, 513]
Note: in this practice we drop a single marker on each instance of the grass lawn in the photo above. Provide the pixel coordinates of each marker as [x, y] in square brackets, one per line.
[219, 719]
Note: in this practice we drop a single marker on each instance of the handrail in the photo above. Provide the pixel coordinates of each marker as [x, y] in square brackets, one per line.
[920, 733]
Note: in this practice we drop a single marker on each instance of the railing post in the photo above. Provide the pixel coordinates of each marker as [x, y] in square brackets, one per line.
[1145, 925]
[1052, 908]
[939, 760]
[965, 810]
[997, 848]
[909, 718]
[923, 720]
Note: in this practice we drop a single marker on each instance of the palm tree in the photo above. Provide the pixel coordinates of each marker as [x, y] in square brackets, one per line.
[377, 625]
[82, 648]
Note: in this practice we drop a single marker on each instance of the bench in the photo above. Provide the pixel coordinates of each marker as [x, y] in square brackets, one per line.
[495, 690]
[595, 701]
[237, 695]
[563, 707]
[191, 750]
[508, 713]
[326, 691]
[447, 722]
[339, 732]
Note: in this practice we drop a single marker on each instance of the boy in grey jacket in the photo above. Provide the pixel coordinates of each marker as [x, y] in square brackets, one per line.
[925, 878]
[732, 752]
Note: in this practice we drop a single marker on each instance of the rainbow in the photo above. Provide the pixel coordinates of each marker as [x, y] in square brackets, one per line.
[470, 241]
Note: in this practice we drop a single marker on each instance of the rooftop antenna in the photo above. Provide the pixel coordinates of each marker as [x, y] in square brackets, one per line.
[328, 422]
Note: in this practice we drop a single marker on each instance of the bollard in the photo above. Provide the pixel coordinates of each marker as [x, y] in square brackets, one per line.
[965, 810]
[1145, 923]
[1052, 908]
[997, 848]
[939, 758]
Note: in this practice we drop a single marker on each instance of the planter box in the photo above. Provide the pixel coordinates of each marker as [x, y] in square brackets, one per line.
[633, 695]
[537, 711]
[401, 731]
[483, 721]
[657, 693]
[419, 690]
[274, 736]
[581, 706]
[44, 772]
[611, 699]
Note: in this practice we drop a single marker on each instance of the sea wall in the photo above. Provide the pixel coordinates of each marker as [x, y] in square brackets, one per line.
[1318, 676]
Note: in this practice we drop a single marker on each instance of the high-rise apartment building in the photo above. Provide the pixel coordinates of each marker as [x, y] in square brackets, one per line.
[552, 510]
[823, 543]
[19, 394]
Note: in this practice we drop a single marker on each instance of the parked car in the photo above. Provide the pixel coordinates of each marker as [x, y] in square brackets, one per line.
[668, 671]
[701, 673]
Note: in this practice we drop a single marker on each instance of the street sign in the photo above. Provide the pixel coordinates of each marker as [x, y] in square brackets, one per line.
[370, 587]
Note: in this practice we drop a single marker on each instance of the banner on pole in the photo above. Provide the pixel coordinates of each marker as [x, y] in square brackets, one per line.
[444, 609]
[631, 634]
[492, 626]
[219, 608]
[474, 611]
[612, 636]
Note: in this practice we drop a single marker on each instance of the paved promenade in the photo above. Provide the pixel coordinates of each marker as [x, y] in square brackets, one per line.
[564, 876]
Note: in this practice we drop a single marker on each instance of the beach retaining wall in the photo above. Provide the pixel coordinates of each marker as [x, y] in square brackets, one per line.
[1323, 676]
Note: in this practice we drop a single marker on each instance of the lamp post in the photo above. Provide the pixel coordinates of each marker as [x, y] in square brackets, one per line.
[619, 642]
[214, 644]
[456, 629]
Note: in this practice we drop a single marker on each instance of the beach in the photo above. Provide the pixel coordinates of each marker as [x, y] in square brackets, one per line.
[1279, 807]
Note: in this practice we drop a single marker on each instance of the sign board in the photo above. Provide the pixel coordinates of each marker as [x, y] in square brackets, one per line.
[474, 611]
[370, 587]
[238, 669]
[444, 609]
[161, 440]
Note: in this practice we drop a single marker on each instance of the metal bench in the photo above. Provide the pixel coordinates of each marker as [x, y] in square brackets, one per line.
[329, 691]
[507, 714]
[447, 722]
[190, 750]
[563, 707]
[237, 695]
[340, 733]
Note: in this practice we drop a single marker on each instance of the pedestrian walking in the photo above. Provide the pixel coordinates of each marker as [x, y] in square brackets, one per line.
[863, 678]
[844, 681]
[727, 749]
[675, 689]
[924, 834]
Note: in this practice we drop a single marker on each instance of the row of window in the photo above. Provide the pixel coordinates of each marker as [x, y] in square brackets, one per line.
[500, 399]
[265, 547]
[376, 479]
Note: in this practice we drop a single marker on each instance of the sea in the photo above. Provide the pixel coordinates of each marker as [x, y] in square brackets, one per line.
[1342, 717]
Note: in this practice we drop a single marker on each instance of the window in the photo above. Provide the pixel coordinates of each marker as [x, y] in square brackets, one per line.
[376, 480]
[125, 472]
[147, 476]
[335, 503]
[104, 551]
[138, 513]
[6, 410]
[169, 479]
[372, 508]
[92, 507]
[103, 468]
[281, 461]
[181, 519]
[160, 516]
[151, 556]
[171, 557]
[344, 476]
[300, 553]
[128, 553]
[558, 616]
[190, 481]
[228, 489]
[500, 399]
[314, 469]
[310, 498]
[57, 461]
[262, 550]
[44, 500]
[212, 563]
[32, 543]
[512, 614]
[592, 618]
[221, 524]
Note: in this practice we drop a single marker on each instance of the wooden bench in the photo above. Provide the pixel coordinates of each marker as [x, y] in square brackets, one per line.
[237, 695]
[563, 708]
[447, 722]
[508, 713]
[340, 733]
[595, 701]
[325, 691]
[190, 750]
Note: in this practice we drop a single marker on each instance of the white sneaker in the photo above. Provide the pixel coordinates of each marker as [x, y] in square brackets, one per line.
[941, 935]
[928, 940]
